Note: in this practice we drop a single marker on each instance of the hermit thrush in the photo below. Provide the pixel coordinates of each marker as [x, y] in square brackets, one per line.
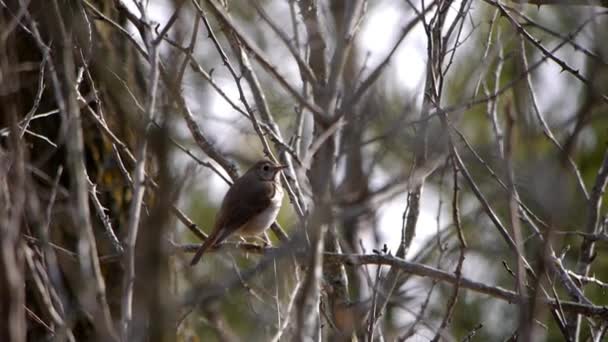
[250, 206]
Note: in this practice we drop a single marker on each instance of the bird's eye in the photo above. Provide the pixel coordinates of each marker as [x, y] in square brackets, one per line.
[265, 167]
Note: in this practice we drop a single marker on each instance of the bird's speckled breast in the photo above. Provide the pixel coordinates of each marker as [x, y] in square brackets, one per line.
[263, 220]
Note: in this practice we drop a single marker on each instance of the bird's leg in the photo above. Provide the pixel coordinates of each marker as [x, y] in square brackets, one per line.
[264, 239]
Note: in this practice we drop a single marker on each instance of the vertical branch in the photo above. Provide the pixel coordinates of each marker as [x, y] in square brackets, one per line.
[492, 104]
[65, 92]
[139, 187]
[593, 226]
[462, 247]
[348, 17]
[352, 13]
[410, 218]
[55, 285]
[525, 327]
[316, 42]
[325, 93]
[12, 205]
[308, 317]
[154, 305]
[432, 91]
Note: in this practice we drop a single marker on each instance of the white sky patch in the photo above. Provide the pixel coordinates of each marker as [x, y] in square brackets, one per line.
[550, 83]
[378, 36]
[378, 32]
[157, 11]
[279, 55]
[391, 220]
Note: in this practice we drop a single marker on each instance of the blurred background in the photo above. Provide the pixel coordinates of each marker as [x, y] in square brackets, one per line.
[447, 166]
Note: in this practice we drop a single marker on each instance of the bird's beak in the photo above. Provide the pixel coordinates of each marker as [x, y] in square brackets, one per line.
[280, 167]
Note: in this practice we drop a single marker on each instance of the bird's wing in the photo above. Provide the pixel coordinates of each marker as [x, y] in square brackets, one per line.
[237, 209]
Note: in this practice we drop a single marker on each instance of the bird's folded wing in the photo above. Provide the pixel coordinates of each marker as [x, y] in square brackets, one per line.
[238, 208]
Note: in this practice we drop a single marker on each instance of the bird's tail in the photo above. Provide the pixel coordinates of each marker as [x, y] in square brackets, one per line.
[209, 242]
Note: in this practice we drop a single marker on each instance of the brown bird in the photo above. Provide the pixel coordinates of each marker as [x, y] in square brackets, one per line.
[250, 206]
